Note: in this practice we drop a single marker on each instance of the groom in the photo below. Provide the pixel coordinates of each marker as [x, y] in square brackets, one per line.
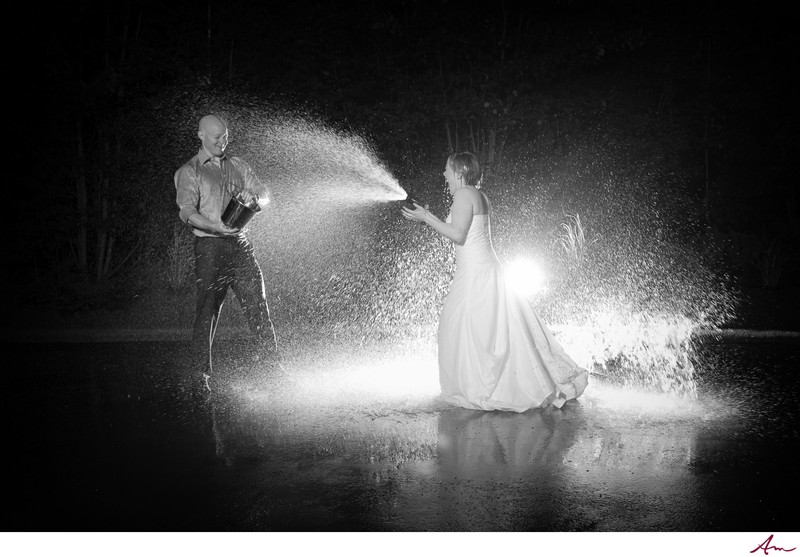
[223, 256]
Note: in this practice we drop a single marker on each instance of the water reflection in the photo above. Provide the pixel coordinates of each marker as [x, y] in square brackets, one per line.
[582, 468]
[616, 460]
[107, 442]
[475, 444]
[490, 469]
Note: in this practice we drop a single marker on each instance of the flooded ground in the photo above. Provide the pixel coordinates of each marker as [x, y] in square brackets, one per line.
[102, 437]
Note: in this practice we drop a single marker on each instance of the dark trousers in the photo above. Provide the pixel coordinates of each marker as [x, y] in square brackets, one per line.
[222, 263]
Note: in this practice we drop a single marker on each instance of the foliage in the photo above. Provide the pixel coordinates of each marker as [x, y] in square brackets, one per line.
[614, 115]
[573, 239]
[767, 256]
[179, 257]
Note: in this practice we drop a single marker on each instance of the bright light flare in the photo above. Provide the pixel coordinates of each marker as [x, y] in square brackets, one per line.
[526, 277]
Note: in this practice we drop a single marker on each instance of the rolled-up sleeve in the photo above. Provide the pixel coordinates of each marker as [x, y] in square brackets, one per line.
[187, 192]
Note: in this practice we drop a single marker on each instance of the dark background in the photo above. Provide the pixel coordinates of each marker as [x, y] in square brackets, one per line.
[704, 88]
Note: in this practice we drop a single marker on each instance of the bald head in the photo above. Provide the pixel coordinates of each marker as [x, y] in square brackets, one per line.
[213, 132]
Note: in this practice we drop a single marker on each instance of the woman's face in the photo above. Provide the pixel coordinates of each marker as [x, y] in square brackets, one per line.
[451, 178]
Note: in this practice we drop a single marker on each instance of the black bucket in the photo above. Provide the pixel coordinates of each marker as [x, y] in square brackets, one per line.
[238, 214]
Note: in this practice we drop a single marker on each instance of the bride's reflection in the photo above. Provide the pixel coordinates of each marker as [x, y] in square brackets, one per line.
[476, 444]
[503, 471]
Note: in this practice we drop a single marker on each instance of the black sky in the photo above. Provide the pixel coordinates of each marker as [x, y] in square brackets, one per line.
[350, 60]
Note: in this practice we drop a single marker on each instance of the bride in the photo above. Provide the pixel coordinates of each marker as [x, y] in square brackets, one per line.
[495, 353]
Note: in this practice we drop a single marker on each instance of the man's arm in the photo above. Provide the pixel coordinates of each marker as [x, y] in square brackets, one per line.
[188, 199]
[252, 185]
[196, 220]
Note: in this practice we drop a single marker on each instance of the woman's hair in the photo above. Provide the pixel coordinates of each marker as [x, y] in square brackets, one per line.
[466, 165]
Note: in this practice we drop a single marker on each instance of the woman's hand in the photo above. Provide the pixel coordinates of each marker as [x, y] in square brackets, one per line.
[418, 214]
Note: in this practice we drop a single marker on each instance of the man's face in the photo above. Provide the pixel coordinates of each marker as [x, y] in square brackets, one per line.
[215, 138]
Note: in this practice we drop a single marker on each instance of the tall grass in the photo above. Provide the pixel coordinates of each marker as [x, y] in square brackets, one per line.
[573, 239]
[179, 259]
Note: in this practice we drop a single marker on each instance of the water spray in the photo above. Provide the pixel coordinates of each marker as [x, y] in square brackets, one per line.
[412, 198]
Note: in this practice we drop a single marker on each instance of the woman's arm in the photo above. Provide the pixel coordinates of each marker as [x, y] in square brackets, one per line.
[460, 217]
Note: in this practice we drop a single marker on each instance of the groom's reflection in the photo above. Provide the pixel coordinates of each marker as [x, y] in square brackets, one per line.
[228, 434]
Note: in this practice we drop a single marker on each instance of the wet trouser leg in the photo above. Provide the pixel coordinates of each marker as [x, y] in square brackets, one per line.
[248, 286]
[214, 258]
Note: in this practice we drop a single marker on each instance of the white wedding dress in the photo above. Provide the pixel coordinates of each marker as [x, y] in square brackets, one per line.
[494, 351]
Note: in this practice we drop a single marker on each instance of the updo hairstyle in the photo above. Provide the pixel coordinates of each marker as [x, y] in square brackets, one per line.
[466, 166]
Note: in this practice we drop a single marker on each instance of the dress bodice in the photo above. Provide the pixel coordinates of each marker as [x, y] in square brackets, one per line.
[477, 248]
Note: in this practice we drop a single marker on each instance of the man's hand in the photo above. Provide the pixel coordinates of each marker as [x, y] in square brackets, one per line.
[247, 196]
[199, 221]
[224, 230]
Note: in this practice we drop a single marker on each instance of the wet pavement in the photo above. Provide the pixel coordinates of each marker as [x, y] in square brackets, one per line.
[104, 437]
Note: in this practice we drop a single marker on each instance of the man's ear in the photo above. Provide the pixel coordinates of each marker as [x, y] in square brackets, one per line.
[200, 134]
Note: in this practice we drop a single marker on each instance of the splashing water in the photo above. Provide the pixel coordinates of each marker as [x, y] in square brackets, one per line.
[326, 167]
[345, 273]
[633, 349]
